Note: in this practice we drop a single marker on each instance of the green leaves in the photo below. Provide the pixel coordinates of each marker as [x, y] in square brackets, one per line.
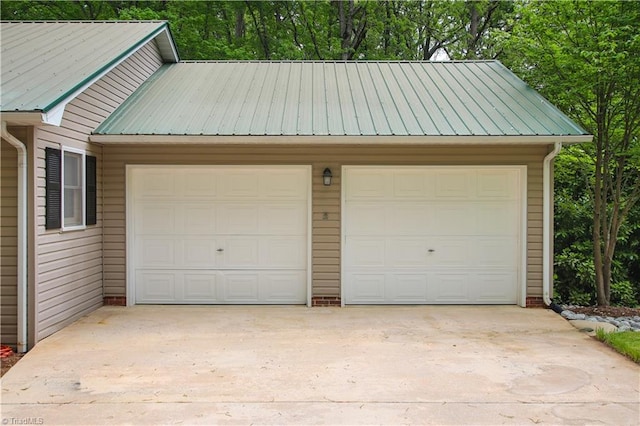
[585, 58]
[327, 30]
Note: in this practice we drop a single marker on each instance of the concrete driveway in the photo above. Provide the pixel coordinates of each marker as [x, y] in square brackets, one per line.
[295, 365]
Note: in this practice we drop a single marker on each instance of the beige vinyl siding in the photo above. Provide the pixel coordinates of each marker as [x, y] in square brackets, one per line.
[70, 273]
[534, 229]
[9, 243]
[326, 232]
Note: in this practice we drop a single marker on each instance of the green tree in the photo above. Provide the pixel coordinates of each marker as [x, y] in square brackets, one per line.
[585, 57]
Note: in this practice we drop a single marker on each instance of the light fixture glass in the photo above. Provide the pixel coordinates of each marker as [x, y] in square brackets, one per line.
[326, 177]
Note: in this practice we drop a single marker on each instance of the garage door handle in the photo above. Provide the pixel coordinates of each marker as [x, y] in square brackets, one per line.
[220, 250]
[431, 250]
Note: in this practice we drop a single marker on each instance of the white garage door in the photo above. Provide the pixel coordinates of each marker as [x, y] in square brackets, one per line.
[218, 234]
[449, 235]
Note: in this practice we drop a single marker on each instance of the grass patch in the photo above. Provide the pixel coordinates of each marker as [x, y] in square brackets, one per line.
[626, 342]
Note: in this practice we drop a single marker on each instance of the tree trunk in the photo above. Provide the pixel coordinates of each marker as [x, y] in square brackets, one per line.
[261, 30]
[346, 27]
[474, 24]
[600, 214]
[239, 30]
[387, 29]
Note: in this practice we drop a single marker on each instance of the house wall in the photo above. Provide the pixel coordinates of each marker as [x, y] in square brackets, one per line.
[69, 269]
[326, 233]
[9, 241]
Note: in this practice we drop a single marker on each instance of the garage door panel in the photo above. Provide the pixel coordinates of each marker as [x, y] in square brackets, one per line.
[366, 288]
[411, 184]
[496, 287]
[450, 288]
[403, 252]
[282, 185]
[454, 184]
[282, 287]
[496, 184]
[200, 253]
[158, 252]
[241, 253]
[283, 253]
[150, 184]
[152, 218]
[238, 219]
[450, 252]
[407, 288]
[201, 287]
[240, 287]
[408, 218]
[366, 219]
[368, 185]
[365, 251]
[496, 219]
[198, 219]
[282, 219]
[199, 183]
[155, 286]
[495, 252]
[454, 219]
[239, 184]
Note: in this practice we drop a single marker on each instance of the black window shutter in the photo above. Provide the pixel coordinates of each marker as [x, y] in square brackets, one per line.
[91, 201]
[53, 192]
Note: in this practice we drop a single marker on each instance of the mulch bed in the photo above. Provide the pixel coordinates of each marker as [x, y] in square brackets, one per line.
[606, 311]
[9, 362]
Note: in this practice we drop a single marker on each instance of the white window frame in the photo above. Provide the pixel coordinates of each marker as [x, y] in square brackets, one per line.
[83, 192]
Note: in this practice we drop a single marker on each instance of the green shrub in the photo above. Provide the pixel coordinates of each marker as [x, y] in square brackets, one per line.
[580, 298]
[623, 294]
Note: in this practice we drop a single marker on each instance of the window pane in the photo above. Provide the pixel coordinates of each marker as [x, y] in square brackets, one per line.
[72, 169]
[73, 206]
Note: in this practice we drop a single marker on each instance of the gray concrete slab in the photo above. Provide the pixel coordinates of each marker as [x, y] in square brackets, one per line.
[295, 365]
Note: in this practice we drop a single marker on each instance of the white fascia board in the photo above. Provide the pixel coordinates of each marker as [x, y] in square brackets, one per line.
[54, 116]
[342, 140]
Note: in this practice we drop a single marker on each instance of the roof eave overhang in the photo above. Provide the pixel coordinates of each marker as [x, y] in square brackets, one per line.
[34, 118]
[338, 139]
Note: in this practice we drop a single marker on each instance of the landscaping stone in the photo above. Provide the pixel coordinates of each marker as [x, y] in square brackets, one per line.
[572, 316]
[608, 323]
[590, 327]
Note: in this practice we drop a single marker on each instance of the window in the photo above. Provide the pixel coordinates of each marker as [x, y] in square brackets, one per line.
[73, 183]
[71, 189]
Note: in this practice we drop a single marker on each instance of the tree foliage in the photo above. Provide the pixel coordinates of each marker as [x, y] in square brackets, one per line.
[307, 30]
[583, 56]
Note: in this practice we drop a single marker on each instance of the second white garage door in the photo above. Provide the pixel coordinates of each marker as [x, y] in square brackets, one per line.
[216, 234]
[448, 235]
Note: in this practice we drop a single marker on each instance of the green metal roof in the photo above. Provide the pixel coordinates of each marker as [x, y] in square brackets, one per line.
[43, 63]
[470, 98]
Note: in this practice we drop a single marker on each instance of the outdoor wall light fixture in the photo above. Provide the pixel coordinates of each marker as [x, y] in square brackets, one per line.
[326, 177]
